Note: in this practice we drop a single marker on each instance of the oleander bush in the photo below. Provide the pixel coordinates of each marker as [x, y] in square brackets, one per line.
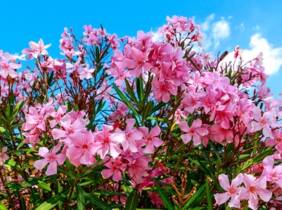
[148, 122]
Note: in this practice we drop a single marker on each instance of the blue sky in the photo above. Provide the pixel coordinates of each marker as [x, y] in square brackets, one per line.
[229, 23]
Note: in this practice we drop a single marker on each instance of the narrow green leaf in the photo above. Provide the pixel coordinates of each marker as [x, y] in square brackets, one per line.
[97, 202]
[20, 144]
[148, 87]
[148, 108]
[81, 199]
[148, 209]
[158, 107]
[125, 100]
[46, 206]
[132, 201]
[130, 91]
[194, 197]
[140, 90]
[165, 199]
[256, 159]
[85, 183]
[209, 196]
[44, 186]
[50, 204]
[18, 107]
[80, 205]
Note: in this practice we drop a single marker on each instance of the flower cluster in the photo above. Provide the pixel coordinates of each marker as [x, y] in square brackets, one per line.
[255, 188]
[151, 120]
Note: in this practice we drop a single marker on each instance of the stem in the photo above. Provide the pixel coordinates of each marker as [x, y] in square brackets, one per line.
[6, 188]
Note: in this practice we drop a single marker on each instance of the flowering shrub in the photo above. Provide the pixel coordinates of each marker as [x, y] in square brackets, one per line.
[147, 122]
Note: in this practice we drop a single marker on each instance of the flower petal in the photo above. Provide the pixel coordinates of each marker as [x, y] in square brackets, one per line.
[221, 198]
[51, 169]
[224, 181]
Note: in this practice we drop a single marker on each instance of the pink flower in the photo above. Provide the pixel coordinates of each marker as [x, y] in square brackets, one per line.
[35, 122]
[3, 156]
[35, 118]
[92, 35]
[117, 69]
[108, 142]
[136, 54]
[114, 169]
[36, 49]
[85, 73]
[255, 188]
[133, 135]
[272, 173]
[181, 24]
[82, 149]
[221, 135]
[237, 52]
[57, 116]
[155, 199]
[191, 102]
[266, 123]
[195, 132]
[135, 60]
[59, 67]
[50, 158]
[151, 139]
[137, 166]
[66, 44]
[163, 90]
[232, 191]
[120, 111]
[71, 124]
[8, 68]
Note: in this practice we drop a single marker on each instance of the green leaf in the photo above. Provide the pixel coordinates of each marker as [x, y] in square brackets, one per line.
[132, 201]
[209, 196]
[148, 209]
[81, 199]
[44, 186]
[158, 107]
[85, 183]
[130, 91]
[50, 204]
[125, 100]
[148, 108]
[139, 87]
[97, 202]
[256, 159]
[3, 207]
[18, 107]
[2, 130]
[11, 162]
[197, 195]
[148, 87]
[80, 205]
[46, 206]
[165, 199]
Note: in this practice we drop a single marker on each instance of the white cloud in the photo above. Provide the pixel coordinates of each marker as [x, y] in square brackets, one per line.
[256, 28]
[156, 36]
[215, 31]
[272, 56]
[241, 27]
[206, 25]
[221, 30]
